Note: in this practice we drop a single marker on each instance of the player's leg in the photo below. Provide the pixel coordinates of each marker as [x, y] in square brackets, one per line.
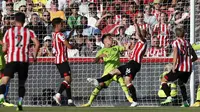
[120, 80]
[65, 73]
[197, 103]
[9, 71]
[22, 77]
[183, 78]
[168, 77]
[97, 82]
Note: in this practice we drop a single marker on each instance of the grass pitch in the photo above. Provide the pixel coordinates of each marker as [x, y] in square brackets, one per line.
[102, 109]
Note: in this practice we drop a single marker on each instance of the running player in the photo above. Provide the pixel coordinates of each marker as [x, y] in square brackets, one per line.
[16, 44]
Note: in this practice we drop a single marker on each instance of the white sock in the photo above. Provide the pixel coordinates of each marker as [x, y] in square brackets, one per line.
[1, 96]
[70, 101]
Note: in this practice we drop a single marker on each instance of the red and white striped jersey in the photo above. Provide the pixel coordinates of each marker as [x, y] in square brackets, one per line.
[144, 27]
[163, 33]
[156, 52]
[117, 19]
[184, 63]
[156, 14]
[18, 39]
[59, 47]
[138, 51]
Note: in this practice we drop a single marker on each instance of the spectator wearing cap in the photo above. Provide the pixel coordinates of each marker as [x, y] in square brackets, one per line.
[54, 12]
[18, 3]
[45, 50]
[47, 22]
[38, 27]
[75, 19]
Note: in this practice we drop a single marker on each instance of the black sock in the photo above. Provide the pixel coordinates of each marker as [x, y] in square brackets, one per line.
[2, 89]
[166, 89]
[21, 91]
[62, 88]
[105, 78]
[183, 92]
[132, 92]
[67, 87]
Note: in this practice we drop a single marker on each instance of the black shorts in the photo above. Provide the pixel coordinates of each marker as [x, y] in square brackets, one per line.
[130, 69]
[20, 67]
[64, 69]
[183, 76]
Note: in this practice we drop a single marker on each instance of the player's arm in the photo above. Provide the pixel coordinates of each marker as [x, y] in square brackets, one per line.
[175, 54]
[65, 41]
[138, 32]
[193, 53]
[36, 44]
[5, 41]
[99, 56]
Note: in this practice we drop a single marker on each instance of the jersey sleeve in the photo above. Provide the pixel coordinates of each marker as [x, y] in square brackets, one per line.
[32, 34]
[121, 48]
[61, 37]
[174, 44]
[5, 38]
[99, 53]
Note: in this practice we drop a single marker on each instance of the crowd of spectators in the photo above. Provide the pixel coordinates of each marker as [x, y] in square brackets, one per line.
[86, 20]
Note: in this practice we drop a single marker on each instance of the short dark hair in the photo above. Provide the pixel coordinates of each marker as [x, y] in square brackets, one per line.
[179, 32]
[56, 21]
[105, 36]
[20, 17]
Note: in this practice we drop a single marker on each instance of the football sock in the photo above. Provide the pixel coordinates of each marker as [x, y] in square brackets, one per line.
[132, 92]
[123, 85]
[183, 90]
[7, 89]
[21, 89]
[166, 89]
[68, 89]
[198, 94]
[62, 87]
[105, 78]
[94, 94]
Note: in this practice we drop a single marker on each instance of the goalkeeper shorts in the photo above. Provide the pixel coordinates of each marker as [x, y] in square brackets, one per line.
[64, 69]
[130, 69]
[183, 76]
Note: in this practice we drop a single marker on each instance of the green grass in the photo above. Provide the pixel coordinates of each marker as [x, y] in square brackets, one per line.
[102, 109]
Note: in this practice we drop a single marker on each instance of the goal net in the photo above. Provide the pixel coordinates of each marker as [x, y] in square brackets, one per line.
[164, 16]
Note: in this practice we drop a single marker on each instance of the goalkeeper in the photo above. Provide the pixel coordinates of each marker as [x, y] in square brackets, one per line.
[172, 85]
[2, 65]
[197, 103]
[111, 57]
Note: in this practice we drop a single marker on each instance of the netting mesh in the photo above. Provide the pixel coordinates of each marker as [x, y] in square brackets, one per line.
[93, 19]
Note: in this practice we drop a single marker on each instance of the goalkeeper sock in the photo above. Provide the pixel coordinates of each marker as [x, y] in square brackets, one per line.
[166, 89]
[7, 89]
[21, 91]
[94, 94]
[2, 89]
[105, 78]
[123, 86]
[198, 94]
[132, 91]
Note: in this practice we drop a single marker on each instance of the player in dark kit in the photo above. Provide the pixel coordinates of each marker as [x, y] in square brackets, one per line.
[183, 56]
[16, 44]
[59, 46]
[131, 68]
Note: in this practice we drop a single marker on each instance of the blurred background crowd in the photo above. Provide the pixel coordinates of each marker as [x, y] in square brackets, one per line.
[85, 21]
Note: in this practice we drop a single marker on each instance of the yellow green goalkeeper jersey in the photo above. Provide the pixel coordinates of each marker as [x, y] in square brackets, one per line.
[112, 59]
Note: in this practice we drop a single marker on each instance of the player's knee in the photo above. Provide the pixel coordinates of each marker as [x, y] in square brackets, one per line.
[5, 80]
[128, 80]
[163, 80]
[68, 79]
[103, 85]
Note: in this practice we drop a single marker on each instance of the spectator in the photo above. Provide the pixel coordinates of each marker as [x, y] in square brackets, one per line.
[9, 8]
[18, 3]
[148, 17]
[117, 13]
[84, 8]
[1, 18]
[23, 9]
[132, 11]
[155, 50]
[54, 12]
[156, 12]
[7, 23]
[75, 18]
[92, 16]
[47, 22]
[45, 50]
[163, 31]
[38, 27]
[29, 6]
